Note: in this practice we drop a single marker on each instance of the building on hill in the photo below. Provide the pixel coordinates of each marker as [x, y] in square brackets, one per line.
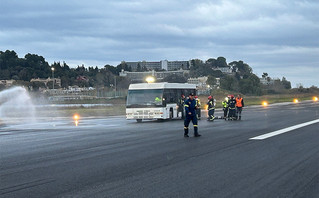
[7, 83]
[224, 70]
[159, 75]
[267, 80]
[56, 81]
[201, 84]
[160, 65]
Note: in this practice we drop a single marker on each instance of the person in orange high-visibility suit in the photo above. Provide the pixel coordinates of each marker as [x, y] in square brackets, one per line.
[239, 106]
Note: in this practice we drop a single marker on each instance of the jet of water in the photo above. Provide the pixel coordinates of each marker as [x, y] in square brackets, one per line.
[16, 106]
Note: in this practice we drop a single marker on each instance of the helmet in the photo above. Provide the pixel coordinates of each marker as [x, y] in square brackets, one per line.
[210, 97]
[196, 96]
[231, 96]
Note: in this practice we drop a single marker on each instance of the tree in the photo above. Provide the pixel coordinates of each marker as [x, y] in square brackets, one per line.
[265, 75]
[242, 67]
[8, 59]
[138, 68]
[286, 83]
[112, 69]
[211, 80]
[221, 62]
[250, 85]
[196, 63]
[229, 83]
[175, 78]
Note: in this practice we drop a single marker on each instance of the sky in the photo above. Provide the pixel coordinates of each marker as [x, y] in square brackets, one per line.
[279, 37]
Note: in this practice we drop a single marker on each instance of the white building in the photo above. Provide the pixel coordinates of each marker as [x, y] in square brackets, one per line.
[45, 81]
[160, 65]
[140, 76]
[225, 70]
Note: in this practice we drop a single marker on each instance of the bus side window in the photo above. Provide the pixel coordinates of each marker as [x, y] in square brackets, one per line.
[171, 96]
[175, 96]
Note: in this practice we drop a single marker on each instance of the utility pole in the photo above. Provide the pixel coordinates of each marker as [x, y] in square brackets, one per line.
[53, 76]
[115, 85]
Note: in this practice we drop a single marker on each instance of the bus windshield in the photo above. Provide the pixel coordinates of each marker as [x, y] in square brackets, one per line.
[145, 97]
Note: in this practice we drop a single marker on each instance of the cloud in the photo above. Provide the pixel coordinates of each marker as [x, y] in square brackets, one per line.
[268, 35]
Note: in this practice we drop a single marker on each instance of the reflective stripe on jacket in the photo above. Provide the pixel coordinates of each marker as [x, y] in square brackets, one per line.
[211, 104]
[190, 106]
[239, 102]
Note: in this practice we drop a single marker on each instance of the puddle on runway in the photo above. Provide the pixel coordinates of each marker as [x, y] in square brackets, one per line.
[60, 123]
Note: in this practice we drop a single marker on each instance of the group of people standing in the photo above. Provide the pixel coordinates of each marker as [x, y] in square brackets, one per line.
[233, 107]
[190, 109]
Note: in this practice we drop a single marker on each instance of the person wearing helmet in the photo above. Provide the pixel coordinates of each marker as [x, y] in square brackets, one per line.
[198, 110]
[225, 106]
[211, 108]
[190, 110]
[232, 108]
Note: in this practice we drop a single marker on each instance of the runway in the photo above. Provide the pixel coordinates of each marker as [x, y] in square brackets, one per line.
[114, 157]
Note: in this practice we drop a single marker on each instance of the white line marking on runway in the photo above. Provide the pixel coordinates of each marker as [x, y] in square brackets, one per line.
[285, 130]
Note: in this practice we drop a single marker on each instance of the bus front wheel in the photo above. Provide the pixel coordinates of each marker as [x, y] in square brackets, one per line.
[139, 120]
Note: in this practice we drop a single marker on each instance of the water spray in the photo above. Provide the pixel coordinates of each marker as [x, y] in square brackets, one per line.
[16, 106]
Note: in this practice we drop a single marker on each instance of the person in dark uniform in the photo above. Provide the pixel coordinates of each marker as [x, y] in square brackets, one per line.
[181, 108]
[211, 108]
[190, 110]
[232, 108]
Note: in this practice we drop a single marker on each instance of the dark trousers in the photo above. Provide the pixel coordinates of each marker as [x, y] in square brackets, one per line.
[225, 111]
[198, 112]
[232, 113]
[211, 113]
[187, 120]
[238, 110]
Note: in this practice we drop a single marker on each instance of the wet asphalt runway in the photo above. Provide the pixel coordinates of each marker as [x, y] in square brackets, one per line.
[113, 157]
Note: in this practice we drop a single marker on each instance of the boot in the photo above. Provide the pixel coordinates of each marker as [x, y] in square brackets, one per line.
[196, 132]
[239, 118]
[186, 132]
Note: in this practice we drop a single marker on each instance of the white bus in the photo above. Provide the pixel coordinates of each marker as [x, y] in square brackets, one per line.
[147, 101]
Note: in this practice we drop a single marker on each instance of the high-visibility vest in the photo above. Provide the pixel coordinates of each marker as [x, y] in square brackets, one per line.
[211, 104]
[225, 104]
[198, 102]
[239, 102]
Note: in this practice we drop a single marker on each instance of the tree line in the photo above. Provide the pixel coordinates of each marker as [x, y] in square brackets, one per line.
[242, 79]
[22, 70]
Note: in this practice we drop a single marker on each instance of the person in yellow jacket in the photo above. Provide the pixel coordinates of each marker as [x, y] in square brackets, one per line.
[198, 110]
[225, 107]
[239, 106]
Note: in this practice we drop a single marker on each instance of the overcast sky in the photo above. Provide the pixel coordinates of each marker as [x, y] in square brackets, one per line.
[280, 37]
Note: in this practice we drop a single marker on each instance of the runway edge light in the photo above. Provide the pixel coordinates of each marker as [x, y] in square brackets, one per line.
[76, 118]
[264, 103]
[295, 100]
[315, 98]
